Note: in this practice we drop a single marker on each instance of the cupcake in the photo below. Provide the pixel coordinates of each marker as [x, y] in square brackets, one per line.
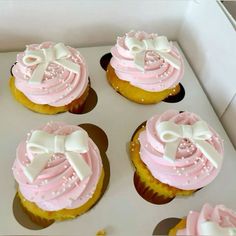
[50, 78]
[59, 173]
[145, 68]
[175, 153]
[217, 220]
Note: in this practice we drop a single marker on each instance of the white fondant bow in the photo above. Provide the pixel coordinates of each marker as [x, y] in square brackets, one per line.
[42, 57]
[43, 145]
[159, 44]
[171, 134]
[212, 228]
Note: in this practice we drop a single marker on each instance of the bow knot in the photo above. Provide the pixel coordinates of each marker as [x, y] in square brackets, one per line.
[59, 144]
[49, 54]
[43, 57]
[43, 145]
[198, 133]
[159, 44]
[187, 131]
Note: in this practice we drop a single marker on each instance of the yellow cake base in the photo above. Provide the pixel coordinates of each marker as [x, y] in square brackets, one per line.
[180, 225]
[74, 106]
[136, 94]
[44, 218]
[145, 175]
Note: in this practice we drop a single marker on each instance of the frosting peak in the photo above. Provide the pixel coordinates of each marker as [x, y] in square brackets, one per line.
[191, 168]
[217, 220]
[50, 73]
[57, 185]
[158, 72]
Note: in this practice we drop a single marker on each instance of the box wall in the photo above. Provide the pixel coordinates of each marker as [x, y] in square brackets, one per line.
[84, 23]
[210, 48]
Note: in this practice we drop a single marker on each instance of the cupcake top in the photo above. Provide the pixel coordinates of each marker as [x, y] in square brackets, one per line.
[217, 220]
[50, 73]
[181, 150]
[57, 166]
[147, 61]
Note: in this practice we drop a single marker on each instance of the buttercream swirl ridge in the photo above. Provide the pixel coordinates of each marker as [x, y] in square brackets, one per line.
[59, 86]
[57, 186]
[158, 74]
[191, 169]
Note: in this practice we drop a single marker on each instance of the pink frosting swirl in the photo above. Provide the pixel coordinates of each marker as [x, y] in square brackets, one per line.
[219, 214]
[58, 186]
[59, 86]
[158, 75]
[191, 169]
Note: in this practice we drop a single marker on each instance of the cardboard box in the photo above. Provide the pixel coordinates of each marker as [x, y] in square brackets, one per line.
[121, 211]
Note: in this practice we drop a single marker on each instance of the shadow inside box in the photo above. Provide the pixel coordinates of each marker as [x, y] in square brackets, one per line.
[176, 98]
[164, 226]
[105, 60]
[29, 221]
[23, 218]
[89, 104]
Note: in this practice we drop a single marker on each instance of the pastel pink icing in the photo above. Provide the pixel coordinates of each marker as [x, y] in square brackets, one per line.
[158, 75]
[218, 214]
[59, 86]
[58, 186]
[191, 169]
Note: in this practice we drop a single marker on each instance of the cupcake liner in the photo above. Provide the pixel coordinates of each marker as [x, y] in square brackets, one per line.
[180, 225]
[161, 189]
[38, 220]
[136, 94]
[75, 106]
[147, 193]
[34, 218]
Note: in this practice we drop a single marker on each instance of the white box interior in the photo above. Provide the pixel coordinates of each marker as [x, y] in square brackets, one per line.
[121, 211]
[208, 41]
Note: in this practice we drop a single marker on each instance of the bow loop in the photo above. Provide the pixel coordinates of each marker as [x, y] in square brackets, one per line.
[33, 58]
[43, 57]
[77, 142]
[159, 44]
[40, 142]
[168, 131]
[61, 51]
[134, 45]
[162, 44]
[172, 134]
[43, 145]
[201, 131]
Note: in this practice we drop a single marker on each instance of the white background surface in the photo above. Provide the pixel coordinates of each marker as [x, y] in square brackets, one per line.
[121, 210]
[201, 27]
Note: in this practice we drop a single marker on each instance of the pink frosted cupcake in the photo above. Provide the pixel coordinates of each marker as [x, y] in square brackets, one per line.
[176, 154]
[217, 220]
[145, 68]
[50, 78]
[59, 172]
